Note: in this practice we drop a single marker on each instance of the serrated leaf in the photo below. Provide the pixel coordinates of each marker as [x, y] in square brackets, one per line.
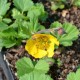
[71, 76]
[17, 15]
[71, 33]
[50, 61]
[3, 26]
[10, 32]
[24, 66]
[77, 75]
[4, 6]
[76, 3]
[32, 12]
[23, 5]
[25, 63]
[7, 43]
[23, 33]
[35, 76]
[42, 66]
[7, 20]
[1, 44]
[57, 4]
[38, 11]
[54, 7]
[55, 24]
[33, 26]
[43, 14]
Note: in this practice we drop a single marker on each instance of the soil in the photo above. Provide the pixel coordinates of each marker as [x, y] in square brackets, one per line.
[69, 56]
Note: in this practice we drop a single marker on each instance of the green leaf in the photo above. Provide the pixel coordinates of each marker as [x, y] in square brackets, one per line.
[71, 76]
[54, 6]
[57, 5]
[37, 11]
[1, 43]
[3, 26]
[34, 11]
[24, 66]
[74, 76]
[5, 42]
[4, 6]
[77, 75]
[59, 63]
[17, 15]
[23, 33]
[7, 20]
[55, 24]
[50, 61]
[25, 63]
[76, 3]
[42, 66]
[33, 26]
[35, 76]
[7, 38]
[8, 33]
[23, 5]
[66, 39]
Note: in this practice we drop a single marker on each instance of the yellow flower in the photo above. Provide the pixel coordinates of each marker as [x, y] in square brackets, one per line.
[41, 45]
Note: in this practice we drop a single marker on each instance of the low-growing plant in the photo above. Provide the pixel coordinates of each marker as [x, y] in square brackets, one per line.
[57, 4]
[43, 45]
[75, 2]
[34, 70]
[61, 4]
[22, 23]
[74, 75]
[71, 33]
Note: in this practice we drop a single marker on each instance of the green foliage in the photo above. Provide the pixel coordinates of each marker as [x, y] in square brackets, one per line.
[24, 21]
[23, 5]
[57, 4]
[61, 4]
[42, 66]
[3, 26]
[4, 6]
[39, 9]
[7, 20]
[76, 3]
[74, 76]
[71, 33]
[58, 62]
[35, 76]
[50, 61]
[25, 63]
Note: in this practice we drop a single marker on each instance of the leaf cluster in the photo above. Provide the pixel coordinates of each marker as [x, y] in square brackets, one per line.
[31, 70]
[61, 4]
[74, 75]
[76, 3]
[57, 4]
[20, 21]
[71, 34]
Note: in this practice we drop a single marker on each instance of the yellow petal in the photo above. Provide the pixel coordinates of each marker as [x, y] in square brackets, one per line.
[30, 47]
[35, 48]
[54, 39]
[40, 53]
[50, 51]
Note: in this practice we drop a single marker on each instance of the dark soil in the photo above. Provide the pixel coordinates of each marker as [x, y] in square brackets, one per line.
[69, 56]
